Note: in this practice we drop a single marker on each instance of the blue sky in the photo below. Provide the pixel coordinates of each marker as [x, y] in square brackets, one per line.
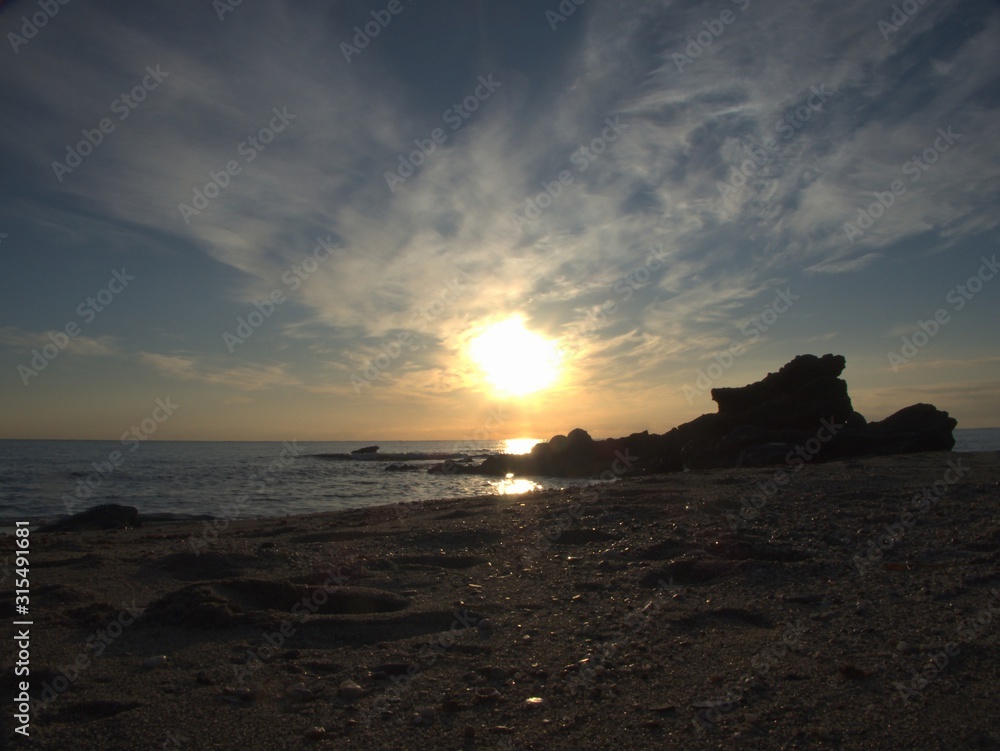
[679, 195]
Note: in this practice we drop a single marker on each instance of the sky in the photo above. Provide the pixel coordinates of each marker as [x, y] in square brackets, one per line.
[263, 221]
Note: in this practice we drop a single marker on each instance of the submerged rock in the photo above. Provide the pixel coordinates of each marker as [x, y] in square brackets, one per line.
[107, 516]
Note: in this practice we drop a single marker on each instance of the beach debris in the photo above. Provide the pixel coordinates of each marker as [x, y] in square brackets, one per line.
[153, 663]
[317, 733]
[350, 691]
[534, 702]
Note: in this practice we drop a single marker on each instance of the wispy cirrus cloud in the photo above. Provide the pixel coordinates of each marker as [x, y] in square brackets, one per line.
[241, 377]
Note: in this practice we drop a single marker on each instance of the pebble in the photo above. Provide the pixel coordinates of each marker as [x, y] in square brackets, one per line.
[299, 692]
[486, 625]
[243, 694]
[534, 702]
[155, 662]
[351, 691]
[317, 733]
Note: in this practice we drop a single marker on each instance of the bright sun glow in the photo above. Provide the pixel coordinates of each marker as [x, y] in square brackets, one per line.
[519, 445]
[514, 360]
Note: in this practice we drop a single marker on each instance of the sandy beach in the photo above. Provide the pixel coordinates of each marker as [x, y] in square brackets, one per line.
[852, 604]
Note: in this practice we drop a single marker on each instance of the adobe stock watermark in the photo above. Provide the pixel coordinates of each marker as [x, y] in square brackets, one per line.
[581, 158]
[914, 168]
[752, 330]
[587, 671]
[922, 502]
[563, 11]
[48, 9]
[87, 310]
[761, 663]
[292, 278]
[123, 107]
[94, 646]
[116, 458]
[967, 631]
[364, 36]
[958, 296]
[230, 512]
[573, 514]
[305, 608]
[625, 286]
[249, 149]
[714, 28]
[795, 460]
[900, 16]
[787, 127]
[427, 654]
[393, 349]
[223, 7]
[455, 116]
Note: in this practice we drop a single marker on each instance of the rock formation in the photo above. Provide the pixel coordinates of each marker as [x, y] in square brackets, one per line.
[802, 412]
[107, 516]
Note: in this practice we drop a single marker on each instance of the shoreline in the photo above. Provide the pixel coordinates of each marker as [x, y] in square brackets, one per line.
[633, 614]
[8, 523]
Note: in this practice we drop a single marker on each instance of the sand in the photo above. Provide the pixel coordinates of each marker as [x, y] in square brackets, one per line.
[844, 612]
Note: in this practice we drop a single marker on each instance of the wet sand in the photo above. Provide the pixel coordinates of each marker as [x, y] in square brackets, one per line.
[857, 607]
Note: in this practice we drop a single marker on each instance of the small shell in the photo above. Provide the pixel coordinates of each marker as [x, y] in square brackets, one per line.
[487, 693]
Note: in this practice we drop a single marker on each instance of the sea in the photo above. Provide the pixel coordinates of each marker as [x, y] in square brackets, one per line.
[41, 480]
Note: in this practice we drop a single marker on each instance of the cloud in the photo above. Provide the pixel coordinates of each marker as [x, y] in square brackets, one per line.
[81, 345]
[844, 266]
[243, 378]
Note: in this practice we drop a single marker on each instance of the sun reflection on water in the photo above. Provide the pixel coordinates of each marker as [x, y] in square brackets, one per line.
[511, 485]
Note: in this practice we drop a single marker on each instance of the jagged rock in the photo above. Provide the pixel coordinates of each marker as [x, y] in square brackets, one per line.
[798, 396]
[107, 516]
[366, 450]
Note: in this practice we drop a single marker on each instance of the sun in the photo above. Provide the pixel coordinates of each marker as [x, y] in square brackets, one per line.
[515, 361]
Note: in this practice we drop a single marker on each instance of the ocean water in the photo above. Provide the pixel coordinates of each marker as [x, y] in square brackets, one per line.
[41, 480]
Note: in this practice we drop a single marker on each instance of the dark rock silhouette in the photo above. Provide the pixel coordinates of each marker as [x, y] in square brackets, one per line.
[801, 413]
[107, 516]
[366, 450]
